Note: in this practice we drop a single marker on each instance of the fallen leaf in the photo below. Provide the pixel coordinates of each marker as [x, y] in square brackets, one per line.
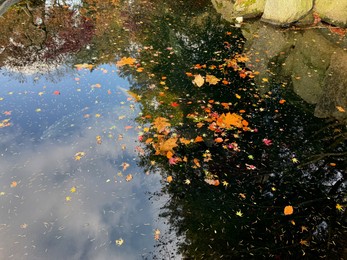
[169, 179]
[161, 123]
[119, 242]
[288, 210]
[239, 213]
[198, 80]
[78, 156]
[98, 139]
[126, 61]
[156, 234]
[129, 177]
[13, 184]
[212, 80]
[73, 189]
[340, 109]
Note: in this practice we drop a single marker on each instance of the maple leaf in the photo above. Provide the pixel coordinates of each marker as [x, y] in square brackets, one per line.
[126, 61]
[212, 80]
[198, 80]
[303, 242]
[161, 123]
[228, 120]
[167, 145]
[288, 210]
[339, 207]
[239, 213]
[187, 181]
[225, 183]
[267, 142]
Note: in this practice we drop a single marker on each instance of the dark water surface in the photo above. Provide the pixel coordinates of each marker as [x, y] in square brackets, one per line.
[158, 130]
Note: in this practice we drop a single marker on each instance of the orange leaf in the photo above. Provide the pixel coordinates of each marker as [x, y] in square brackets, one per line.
[212, 79]
[126, 61]
[169, 154]
[340, 109]
[169, 179]
[129, 177]
[13, 184]
[288, 210]
[160, 123]
[198, 139]
[218, 140]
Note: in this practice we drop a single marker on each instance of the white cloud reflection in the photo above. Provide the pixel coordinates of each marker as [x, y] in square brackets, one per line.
[36, 221]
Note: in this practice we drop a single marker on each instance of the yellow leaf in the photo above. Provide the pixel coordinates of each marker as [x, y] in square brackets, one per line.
[73, 189]
[79, 155]
[198, 80]
[239, 213]
[340, 109]
[126, 61]
[168, 145]
[169, 179]
[212, 79]
[119, 242]
[134, 95]
[160, 123]
[237, 96]
[67, 198]
[339, 207]
[288, 210]
[156, 234]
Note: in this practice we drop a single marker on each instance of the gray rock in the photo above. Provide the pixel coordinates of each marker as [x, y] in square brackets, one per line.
[334, 12]
[286, 12]
[335, 91]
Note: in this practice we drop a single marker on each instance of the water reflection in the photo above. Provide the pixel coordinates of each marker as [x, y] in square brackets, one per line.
[225, 146]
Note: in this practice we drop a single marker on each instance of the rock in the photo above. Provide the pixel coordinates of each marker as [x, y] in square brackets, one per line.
[335, 91]
[286, 12]
[306, 68]
[241, 8]
[249, 8]
[334, 12]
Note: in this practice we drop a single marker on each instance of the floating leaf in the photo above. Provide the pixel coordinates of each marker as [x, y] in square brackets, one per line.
[98, 139]
[169, 179]
[340, 109]
[161, 123]
[239, 213]
[73, 189]
[79, 155]
[126, 61]
[212, 80]
[288, 210]
[13, 184]
[156, 234]
[119, 242]
[339, 207]
[56, 92]
[198, 80]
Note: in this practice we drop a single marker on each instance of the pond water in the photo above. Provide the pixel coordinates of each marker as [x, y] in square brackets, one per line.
[158, 130]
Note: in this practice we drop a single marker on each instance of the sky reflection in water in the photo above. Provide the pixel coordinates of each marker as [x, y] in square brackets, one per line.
[40, 217]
